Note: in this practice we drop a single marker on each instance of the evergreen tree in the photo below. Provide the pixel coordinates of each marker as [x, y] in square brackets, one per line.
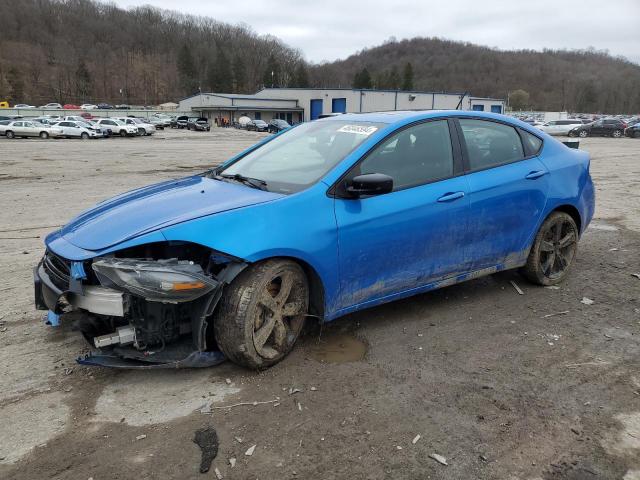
[83, 81]
[271, 75]
[220, 74]
[393, 79]
[300, 76]
[187, 70]
[16, 83]
[407, 77]
[239, 74]
[362, 79]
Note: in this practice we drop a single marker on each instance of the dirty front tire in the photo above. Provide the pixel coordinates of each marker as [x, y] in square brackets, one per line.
[262, 312]
[553, 250]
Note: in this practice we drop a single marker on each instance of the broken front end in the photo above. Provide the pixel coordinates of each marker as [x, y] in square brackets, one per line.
[144, 307]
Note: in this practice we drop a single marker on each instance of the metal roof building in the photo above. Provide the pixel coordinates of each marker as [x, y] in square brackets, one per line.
[303, 104]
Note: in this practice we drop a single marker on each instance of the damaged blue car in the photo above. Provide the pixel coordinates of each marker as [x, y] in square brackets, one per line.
[324, 219]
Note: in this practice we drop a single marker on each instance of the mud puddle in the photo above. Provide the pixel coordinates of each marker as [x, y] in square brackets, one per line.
[339, 348]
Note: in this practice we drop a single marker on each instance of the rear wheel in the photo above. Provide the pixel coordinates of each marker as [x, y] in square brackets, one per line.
[553, 250]
[583, 133]
[44, 135]
[617, 133]
[261, 313]
[636, 134]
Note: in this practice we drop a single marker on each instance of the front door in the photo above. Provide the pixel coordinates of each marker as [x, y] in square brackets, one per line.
[414, 235]
[507, 192]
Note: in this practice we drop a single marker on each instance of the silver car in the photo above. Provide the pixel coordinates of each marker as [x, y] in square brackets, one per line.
[26, 128]
[79, 130]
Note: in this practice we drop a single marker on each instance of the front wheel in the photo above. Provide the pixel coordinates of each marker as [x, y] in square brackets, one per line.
[636, 134]
[84, 136]
[583, 134]
[123, 133]
[10, 134]
[553, 250]
[261, 313]
[44, 135]
[617, 133]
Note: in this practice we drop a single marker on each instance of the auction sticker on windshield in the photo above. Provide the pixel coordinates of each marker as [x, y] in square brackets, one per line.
[358, 129]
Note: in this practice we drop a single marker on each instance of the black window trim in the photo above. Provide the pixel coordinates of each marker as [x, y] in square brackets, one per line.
[337, 189]
[528, 153]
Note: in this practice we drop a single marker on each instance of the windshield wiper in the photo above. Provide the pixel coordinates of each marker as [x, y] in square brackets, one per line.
[251, 182]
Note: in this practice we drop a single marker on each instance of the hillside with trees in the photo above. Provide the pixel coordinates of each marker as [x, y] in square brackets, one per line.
[76, 51]
[577, 81]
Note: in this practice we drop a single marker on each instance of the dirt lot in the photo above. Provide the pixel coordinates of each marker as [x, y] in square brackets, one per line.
[504, 386]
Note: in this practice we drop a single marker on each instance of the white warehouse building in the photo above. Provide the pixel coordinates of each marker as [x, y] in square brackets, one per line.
[303, 104]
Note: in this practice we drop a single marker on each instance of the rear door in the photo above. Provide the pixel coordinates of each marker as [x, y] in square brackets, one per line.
[508, 187]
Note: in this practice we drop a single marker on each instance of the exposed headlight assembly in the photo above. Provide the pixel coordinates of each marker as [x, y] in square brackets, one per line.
[169, 281]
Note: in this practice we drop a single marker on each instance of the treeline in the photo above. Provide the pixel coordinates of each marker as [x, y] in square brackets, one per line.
[76, 51]
[555, 80]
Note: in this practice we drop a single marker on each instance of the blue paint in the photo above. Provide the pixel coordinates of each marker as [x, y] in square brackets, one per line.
[339, 105]
[365, 251]
[315, 108]
[77, 271]
[496, 108]
[52, 319]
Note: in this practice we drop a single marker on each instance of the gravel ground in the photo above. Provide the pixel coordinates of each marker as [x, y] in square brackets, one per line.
[503, 386]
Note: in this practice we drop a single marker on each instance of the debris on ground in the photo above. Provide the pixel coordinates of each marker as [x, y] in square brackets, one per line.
[299, 406]
[415, 439]
[549, 315]
[218, 474]
[141, 437]
[238, 439]
[250, 450]
[228, 381]
[313, 389]
[587, 301]
[439, 458]
[252, 404]
[637, 275]
[518, 289]
[232, 462]
[68, 371]
[207, 439]
[552, 287]
[293, 391]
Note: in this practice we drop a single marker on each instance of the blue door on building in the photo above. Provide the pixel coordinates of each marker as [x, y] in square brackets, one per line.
[478, 108]
[316, 108]
[496, 108]
[290, 118]
[339, 105]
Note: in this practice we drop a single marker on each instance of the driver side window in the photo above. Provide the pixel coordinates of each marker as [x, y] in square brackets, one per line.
[414, 156]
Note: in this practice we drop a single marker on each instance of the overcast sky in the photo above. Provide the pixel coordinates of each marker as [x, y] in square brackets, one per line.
[332, 29]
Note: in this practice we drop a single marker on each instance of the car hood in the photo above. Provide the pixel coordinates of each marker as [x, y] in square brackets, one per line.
[141, 211]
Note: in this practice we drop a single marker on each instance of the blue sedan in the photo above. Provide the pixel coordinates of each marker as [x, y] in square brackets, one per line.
[324, 219]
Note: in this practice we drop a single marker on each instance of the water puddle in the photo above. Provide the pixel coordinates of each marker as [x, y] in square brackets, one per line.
[339, 348]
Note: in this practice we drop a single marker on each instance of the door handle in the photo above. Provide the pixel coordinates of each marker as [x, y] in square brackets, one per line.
[535, 174]
[448, 197]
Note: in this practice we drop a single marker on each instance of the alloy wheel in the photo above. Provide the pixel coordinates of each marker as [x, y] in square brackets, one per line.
[558, 247]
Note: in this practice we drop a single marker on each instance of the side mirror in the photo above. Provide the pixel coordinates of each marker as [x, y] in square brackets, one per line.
[369, 184]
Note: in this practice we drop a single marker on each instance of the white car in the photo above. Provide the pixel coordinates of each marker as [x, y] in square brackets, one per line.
[71, 129]
[28, 128]
[144, 128]
[560, 127]
[56, 106]
[88, 106]
[23, 105]
[116, 127]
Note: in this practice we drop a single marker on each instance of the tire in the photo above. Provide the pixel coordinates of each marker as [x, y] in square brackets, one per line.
[549, 261]
[44, 135]
[142, 131]
[123, 133]
[583, 134]
[10, 134]
[84, 136]
[571, 134]
[636, 134]
[617, 134]
[251, 324]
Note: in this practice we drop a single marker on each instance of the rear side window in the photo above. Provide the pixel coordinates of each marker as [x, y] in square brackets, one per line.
[490, 144]
[532, 143]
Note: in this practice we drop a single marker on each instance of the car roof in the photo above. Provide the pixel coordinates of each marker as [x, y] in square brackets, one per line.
[407, 116]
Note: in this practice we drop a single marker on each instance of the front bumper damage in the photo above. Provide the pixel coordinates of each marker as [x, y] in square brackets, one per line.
[132, 340]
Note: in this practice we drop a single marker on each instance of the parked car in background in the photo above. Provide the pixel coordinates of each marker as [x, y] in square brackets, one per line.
[200, 124]
[160, 120]
[23, 105]
[116, 127]
[144, 127]
[233, 261]
[276, 125]
[257, 125]
[55, 106]
[28, 128]
[88, 106]
[105, 106]
[70, 106]
[122, 106]
[561, 127]
[605, 127]
[180, 122]
[633, 131]
[43, 120]
[4, 104]
[74, 129]
[3, 125]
